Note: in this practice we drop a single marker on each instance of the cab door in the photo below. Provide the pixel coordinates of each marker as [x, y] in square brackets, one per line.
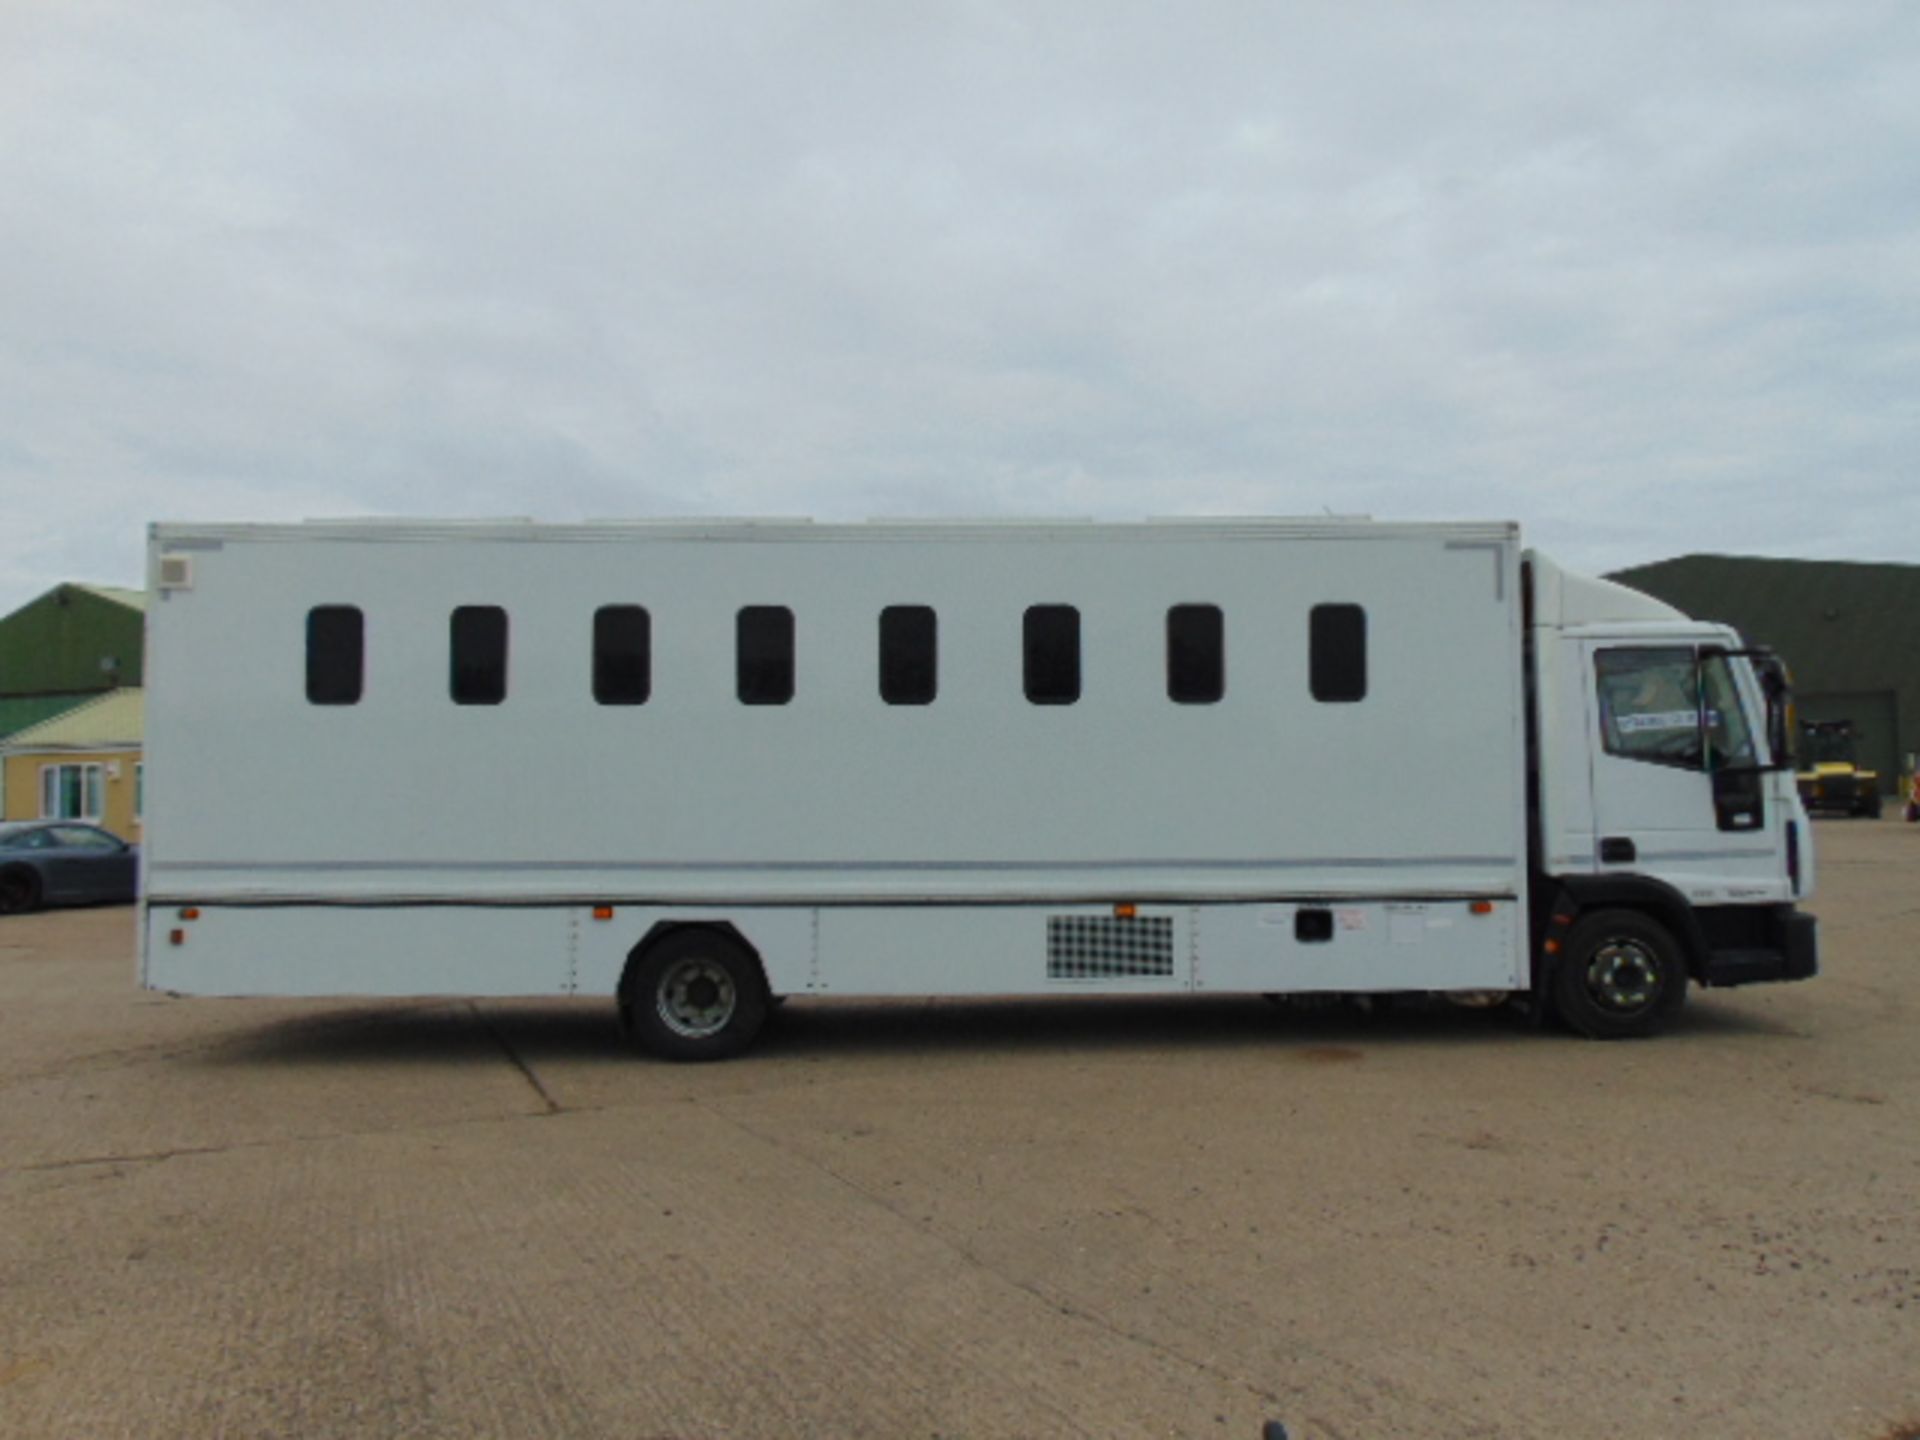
[1662, 720]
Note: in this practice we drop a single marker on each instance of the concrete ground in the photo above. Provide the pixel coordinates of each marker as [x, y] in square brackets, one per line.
[265, 1218]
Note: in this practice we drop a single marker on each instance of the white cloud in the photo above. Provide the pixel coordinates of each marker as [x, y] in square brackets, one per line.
[1643, 277]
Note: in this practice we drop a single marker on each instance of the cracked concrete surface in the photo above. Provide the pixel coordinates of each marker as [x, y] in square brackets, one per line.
[449, 1218]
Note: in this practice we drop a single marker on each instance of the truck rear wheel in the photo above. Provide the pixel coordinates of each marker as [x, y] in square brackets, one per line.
[1621, 976]
[697, 994]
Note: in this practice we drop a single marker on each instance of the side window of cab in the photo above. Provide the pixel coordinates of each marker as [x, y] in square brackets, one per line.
[1649, 705]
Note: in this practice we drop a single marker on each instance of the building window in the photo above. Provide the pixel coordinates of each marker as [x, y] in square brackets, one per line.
[336, 655]
[1052, 667]
[478, 673]
[622, 655]
[909, 655]
[1196, 654]
[139, 790]
[1337, 653]
[763, 655]
[70, 792]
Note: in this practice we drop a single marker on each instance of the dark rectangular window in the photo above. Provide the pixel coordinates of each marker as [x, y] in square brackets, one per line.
[1337, 653]
[1650, 709]
[1196, 654]
[909, 655]
[1052, 654]
[336, 654]
[622, 655]
[478, 674]
[763, 637]
[1312, 926]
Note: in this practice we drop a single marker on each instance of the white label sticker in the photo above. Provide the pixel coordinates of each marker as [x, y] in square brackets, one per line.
[1406, 924]
[1659, 720]
[1351, 919]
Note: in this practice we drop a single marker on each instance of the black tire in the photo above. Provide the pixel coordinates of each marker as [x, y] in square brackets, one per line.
[697, 994]
[1622, 976]
[19, 892]
[1870, 807]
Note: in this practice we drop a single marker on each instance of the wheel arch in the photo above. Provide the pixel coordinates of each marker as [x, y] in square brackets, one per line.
[1576, 895]
[664, 930]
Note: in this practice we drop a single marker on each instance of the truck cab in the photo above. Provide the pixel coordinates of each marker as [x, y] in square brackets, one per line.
[1670, 832]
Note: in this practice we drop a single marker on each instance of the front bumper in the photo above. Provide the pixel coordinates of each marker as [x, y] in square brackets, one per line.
[1793, 953]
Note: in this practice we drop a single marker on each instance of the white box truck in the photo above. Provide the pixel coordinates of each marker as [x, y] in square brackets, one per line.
[699, 766]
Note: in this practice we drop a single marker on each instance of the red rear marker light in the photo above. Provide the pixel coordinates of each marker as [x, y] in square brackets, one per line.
[1481, 907]
[192, 912]
[1125, 912]
[176, 937]
[603, 912]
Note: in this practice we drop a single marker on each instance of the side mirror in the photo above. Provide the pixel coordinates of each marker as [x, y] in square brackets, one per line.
[1782, 723]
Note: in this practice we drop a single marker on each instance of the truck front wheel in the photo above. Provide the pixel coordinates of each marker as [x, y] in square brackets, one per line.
[696, 994]
[1621, 976]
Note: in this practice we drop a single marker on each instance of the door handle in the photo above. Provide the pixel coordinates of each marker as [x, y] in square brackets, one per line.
[1617, 850]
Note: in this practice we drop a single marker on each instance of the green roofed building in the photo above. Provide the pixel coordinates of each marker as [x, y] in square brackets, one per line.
[75, 640]
[84, 764]
[72, 645]
[1849, 632]
[17, 712]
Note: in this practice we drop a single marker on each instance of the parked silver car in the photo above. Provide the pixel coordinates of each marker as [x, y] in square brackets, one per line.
[62, 862]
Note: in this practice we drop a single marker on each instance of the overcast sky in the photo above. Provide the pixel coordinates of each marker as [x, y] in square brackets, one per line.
[1645, 277]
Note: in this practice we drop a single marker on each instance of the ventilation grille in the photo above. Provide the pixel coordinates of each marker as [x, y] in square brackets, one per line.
[1096, 947]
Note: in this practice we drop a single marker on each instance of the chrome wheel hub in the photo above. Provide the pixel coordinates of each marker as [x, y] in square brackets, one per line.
[696, 999]
[1624, 975]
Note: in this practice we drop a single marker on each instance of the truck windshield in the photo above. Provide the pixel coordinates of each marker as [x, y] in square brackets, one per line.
[1651, 708]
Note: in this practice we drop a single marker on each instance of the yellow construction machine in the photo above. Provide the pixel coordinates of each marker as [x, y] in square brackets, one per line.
[1831, 776]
